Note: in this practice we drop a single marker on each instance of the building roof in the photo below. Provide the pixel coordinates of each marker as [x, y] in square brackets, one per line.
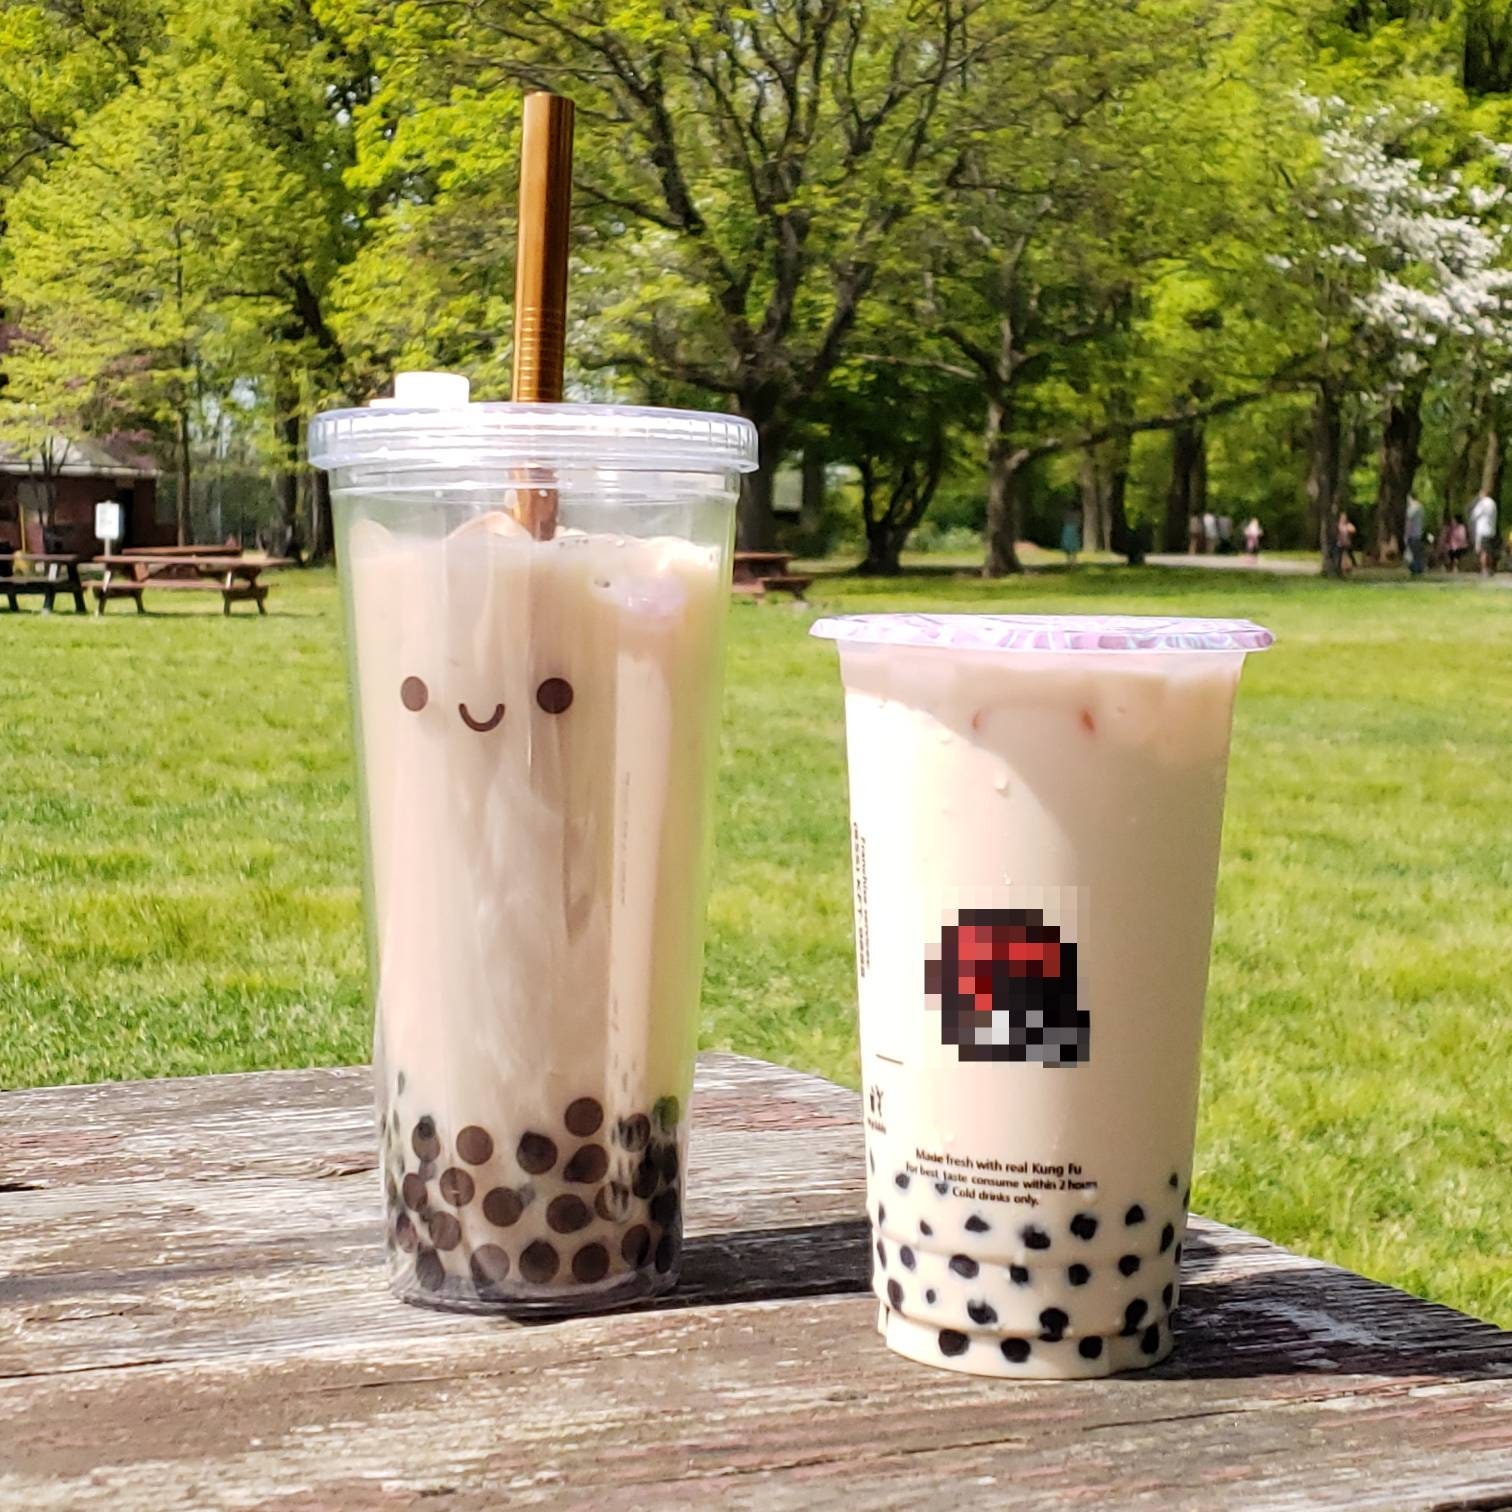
[110, 457]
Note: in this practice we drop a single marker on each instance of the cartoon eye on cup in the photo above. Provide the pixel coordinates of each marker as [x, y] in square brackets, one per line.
[413, 694]
[555, 695]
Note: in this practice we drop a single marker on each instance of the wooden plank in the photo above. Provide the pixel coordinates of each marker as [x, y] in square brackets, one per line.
[192, 1314]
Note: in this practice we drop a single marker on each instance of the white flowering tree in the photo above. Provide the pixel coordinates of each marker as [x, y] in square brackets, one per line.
[1401, 263]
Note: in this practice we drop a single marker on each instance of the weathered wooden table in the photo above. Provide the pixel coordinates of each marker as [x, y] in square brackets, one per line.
[192, 1315]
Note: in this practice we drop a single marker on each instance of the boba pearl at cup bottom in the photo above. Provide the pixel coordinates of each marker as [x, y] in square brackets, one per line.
[1078, 1289]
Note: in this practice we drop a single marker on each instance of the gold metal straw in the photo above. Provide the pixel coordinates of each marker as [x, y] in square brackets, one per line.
[540, 309]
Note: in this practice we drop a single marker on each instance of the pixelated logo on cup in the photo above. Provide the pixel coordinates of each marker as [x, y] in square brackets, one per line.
[1005, 984]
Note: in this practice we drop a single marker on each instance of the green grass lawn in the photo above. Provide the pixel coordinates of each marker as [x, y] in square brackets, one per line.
[178, 880]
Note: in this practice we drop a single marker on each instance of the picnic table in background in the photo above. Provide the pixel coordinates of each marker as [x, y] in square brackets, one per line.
[60, 575]
[757, 573]
[234, 577]
[193, 1314]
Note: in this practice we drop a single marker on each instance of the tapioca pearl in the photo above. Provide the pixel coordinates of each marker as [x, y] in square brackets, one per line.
[953, 1343]
[667, 1111]
[567, 1214]
[1019, 1275]
[871, 1162]
[1177, 1256]
[976, 1225]
[583, 1117]
[1090, 1348]
[1167, 1295]
[1136, 1214]
[588, 1165]
[613, 1202]
[981, 1312]
[539, 1261]
[881, 1254]
[895, 1295]
[445, 1231]
[906, 1255]
[634, 1133]
[429, 1271]
[644, 1181]
[942, 1187]
[929, 1296]
[404, 1233]
[925, 1229]
[1015, 1351]
[1134, 1315]
[664, 1207]
[457, 1186]
[390, 1189]
[964, 1265]
[1186, 1198]
[475, 1145]
[1034, 1237]
[1167, 1238]
[502, 1207]
[666, 1252]
[881, 1215]
[1128, 1264]
[399, 1083]
[537, 1153]
[635, 1247]
[590, 1264]
[1173, 1181]
[1053, 1324]
[414, 1193]
[489, 1264]
[1078, 1275]
[901, 1181]
[667, 1162]
[424, 1141]
[426, 1170]
[1084, 1226]
[1149, 1340]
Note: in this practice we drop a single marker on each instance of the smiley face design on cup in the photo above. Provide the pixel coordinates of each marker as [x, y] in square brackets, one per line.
[1005, 984]
[553, 696]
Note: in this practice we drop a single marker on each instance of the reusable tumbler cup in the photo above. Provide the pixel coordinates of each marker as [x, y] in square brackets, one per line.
[536, 721]
[1035, 813]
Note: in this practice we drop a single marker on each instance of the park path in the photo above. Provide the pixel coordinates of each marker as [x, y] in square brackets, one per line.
[1282, 566]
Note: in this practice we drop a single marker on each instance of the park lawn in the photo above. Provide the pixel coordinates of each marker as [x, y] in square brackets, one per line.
[178, 880]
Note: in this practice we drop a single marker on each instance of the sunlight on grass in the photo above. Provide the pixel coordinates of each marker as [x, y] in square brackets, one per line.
[179, 879]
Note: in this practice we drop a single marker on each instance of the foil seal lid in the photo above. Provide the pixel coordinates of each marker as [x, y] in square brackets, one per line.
[1044, 633]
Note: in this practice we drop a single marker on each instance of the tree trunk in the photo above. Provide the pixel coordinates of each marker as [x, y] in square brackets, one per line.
[322, 543]
[1400, 438]
[1181, 500]
[1323, 470]
[884, 550]
[1491, 463]
[1093, 485]
[755, 524]
[181, 476]
[1002, 495]
[288, 479]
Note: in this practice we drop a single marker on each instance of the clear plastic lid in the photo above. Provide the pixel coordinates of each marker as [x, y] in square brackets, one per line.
[425, 425]
[1045, 632]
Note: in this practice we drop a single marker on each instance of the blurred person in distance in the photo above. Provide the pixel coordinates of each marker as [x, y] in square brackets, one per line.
[1413, 533]
[1483, 532]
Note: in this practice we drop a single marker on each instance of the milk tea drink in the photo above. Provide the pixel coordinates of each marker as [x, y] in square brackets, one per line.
[1035, 808]
[536, 720]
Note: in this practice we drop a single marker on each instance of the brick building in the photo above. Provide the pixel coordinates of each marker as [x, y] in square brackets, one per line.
[91, 472]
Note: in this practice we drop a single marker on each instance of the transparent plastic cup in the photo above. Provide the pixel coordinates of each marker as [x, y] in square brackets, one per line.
[1035, 810]
[536, 723]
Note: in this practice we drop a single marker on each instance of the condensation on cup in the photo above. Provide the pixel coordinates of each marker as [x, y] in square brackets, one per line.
[1035, 813]
[536, 720]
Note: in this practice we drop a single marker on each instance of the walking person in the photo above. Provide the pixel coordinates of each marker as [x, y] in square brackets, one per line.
[1209, 532]
[1343, 545]
[1071, 535]
[1483, 532]
[1194, 535]
[1413, 531]
[1253, 531]
[1456, 540]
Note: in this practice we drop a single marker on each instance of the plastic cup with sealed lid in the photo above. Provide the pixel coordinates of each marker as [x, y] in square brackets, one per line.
[535, 599]
[1035, 812]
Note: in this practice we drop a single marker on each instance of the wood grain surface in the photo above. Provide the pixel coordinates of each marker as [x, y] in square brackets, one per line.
[192, 1314]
